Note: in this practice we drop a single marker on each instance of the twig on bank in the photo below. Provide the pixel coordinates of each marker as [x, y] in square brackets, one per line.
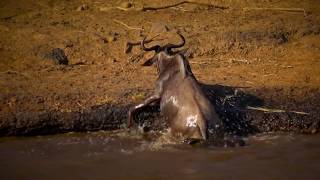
[121, 8]
[180, 3]
[245, 61]
[198, 62]
[150, 8]
[9, 72]
[287, 67]
[14, 73]
[279, 9]
[268, 110]
[127, 26]
[180, 9]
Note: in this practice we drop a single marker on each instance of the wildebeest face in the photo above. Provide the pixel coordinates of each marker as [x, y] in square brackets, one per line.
[162, 53]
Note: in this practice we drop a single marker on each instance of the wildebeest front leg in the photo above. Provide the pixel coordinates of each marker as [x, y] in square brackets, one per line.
[146, 102]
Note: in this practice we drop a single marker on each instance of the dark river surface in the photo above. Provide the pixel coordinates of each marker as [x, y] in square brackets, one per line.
[123, 155]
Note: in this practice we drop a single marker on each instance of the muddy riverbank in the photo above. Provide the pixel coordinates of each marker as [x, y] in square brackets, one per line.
[259, 61]
[237, 109]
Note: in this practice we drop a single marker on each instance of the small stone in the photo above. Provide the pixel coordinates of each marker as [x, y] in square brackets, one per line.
[68, 44]
[314, 131]
[58, 56]
[110, 38]
[126, 5]
[83, 7]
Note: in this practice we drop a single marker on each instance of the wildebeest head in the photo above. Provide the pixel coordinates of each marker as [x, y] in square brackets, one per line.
[162, 53]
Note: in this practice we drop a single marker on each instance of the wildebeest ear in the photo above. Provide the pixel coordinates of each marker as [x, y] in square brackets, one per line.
[149, 62]
[185, 52]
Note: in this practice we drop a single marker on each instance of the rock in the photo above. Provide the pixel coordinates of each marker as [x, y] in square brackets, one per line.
[126, 5]
[83, 7]
[69, 44]
[58, 56]
[110, 38]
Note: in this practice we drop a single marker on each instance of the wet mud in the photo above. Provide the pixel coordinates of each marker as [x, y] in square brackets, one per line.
[230, 103]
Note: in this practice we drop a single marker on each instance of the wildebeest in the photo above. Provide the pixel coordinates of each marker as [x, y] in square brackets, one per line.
[182, 101]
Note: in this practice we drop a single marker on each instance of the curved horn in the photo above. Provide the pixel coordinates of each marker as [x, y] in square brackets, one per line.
[170, 46]
[153, 48]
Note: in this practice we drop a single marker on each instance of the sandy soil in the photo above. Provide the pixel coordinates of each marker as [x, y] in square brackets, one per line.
[266, 50]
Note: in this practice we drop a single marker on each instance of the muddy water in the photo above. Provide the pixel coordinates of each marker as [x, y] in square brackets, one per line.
[123, 155]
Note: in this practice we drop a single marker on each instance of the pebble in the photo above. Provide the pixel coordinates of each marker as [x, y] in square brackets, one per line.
[110, 38]
[126, 5]
[69, 44]
[83, 7]
[58, 56]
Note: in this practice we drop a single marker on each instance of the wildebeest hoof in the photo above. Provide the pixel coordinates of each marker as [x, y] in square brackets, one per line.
[144, 129]
[191, 141]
